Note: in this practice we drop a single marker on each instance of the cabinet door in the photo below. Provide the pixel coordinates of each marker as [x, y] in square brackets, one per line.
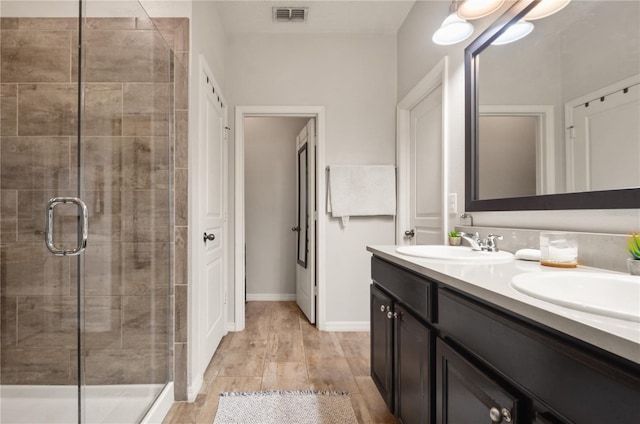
[466, 395]
[382, 344]
[413, 370]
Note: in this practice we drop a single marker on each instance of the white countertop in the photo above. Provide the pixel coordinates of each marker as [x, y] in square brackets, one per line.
[491, 283]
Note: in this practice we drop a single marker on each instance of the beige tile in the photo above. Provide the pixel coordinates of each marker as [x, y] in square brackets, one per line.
[105, 215]
[321, 346]
[359, 366]
[145, 162]
[145, 216]
[181, 80]
[103, 271]
[47, 109]
[29, 269]
[9, 23]
[35, 366]
[285, 376]
[360, 408]
[145, 124]
[8, 216]
[8, 321]
[102, 110]
[180, 371]
[9, 109]
[181, 313]
[48, 24]
[126, 366]
[146, 58]
[144, 22]
[145, 265]
[167, 27]
[182, 197]
[35, 162]
[181, 262]
[102, 322]
[47, 321]
[31, 208]
[36, 56]
[94, 24]
[149, 98]
[102, 162]
[145, 322]
[182, 139]
[181, 37]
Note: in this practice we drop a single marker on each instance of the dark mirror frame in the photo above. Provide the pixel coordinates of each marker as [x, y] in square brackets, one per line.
[605, 199]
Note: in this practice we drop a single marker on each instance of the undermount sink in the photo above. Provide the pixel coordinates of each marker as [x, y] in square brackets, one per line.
[611, 295]
[455, 253]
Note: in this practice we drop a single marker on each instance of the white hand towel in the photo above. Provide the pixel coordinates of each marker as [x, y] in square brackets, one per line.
[528, 254]
[362, 190]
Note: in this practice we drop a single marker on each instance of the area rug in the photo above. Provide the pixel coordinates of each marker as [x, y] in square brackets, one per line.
[285, 407]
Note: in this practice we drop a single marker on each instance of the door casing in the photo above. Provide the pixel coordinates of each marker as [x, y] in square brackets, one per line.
[317, 112]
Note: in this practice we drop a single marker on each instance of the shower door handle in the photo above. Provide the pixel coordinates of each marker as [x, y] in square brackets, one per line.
[84, 223]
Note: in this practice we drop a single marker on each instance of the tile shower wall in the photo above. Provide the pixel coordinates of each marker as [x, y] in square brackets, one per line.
[131, 110]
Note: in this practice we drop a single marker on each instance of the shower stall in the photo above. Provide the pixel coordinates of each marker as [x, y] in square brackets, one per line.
[87, 103]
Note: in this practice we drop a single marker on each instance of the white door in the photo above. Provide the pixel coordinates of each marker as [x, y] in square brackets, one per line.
[592, 163]
[212, 194]
[306, 222]
[426, 219]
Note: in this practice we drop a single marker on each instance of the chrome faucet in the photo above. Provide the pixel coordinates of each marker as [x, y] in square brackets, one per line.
[489, 244]
[473, 240]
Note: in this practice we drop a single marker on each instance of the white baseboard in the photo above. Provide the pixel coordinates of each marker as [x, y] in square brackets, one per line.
[194, 388]
[161, 406]
[231, 326]
[270, 297]
[347, 326]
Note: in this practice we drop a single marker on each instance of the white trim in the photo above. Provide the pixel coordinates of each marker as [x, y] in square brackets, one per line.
[347, 326]
[438, 76]
[317, 112]
[160, 407]
[194, 388]
[545, 139]
[271, 297]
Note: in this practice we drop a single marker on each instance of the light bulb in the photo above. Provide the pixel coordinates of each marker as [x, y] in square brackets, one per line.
[476, 9]
[514, 33]
[546, 8]
[453, 30]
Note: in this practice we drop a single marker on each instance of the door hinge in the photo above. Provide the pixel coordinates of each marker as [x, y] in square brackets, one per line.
[315, 290]
[572, 132]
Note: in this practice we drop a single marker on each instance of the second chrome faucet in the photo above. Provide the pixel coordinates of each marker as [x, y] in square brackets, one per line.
[490, 244]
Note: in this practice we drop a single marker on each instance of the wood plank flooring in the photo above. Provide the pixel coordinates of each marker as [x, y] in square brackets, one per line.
[280, 350]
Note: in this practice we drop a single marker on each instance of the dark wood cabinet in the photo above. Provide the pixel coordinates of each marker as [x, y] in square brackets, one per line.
[441, 356]
[382, 344]
[465, 395]
[413, 392]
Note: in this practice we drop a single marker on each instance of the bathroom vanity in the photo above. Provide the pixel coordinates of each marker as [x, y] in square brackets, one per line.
[453, 342]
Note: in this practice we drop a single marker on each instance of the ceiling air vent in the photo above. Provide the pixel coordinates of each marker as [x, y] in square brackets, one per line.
[290, 14]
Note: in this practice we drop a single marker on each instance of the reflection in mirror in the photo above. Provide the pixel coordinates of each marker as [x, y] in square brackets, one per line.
[557, 111]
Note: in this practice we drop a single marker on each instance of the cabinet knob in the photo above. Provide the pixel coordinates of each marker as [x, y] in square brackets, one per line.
[392, 315]
[506, 415]
[381, 308]
[495, 415]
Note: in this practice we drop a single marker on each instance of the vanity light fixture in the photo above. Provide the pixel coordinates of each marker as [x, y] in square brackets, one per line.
[476, 9]
[546, 8]
[453, 29]
[514, 33]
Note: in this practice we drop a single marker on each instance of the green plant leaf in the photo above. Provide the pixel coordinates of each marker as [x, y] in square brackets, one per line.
[634, 245]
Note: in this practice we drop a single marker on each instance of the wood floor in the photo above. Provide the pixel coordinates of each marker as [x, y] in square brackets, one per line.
[280, 350]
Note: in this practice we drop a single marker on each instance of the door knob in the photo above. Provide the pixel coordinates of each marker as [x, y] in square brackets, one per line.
[410, 233]
[295, 229]
[210, 237]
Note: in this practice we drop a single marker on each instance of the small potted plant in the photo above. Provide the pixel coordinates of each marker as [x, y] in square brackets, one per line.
[454, 238]
[633, 263]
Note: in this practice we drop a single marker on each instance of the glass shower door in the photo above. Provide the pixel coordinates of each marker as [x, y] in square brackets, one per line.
[39, 326]
[84, 338]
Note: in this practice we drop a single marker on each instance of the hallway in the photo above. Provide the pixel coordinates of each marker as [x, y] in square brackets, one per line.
[280, 350]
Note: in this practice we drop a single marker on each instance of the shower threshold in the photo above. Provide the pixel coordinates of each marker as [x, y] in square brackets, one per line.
[124, 404]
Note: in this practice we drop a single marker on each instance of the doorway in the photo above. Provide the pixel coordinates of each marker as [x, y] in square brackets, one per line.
[266, 213]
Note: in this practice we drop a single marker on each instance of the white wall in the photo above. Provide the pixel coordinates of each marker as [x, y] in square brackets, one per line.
[354, 77]
[270, 205]
[416, 56]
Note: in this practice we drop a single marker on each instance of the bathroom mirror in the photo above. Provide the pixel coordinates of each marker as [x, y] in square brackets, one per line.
[552, 119]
